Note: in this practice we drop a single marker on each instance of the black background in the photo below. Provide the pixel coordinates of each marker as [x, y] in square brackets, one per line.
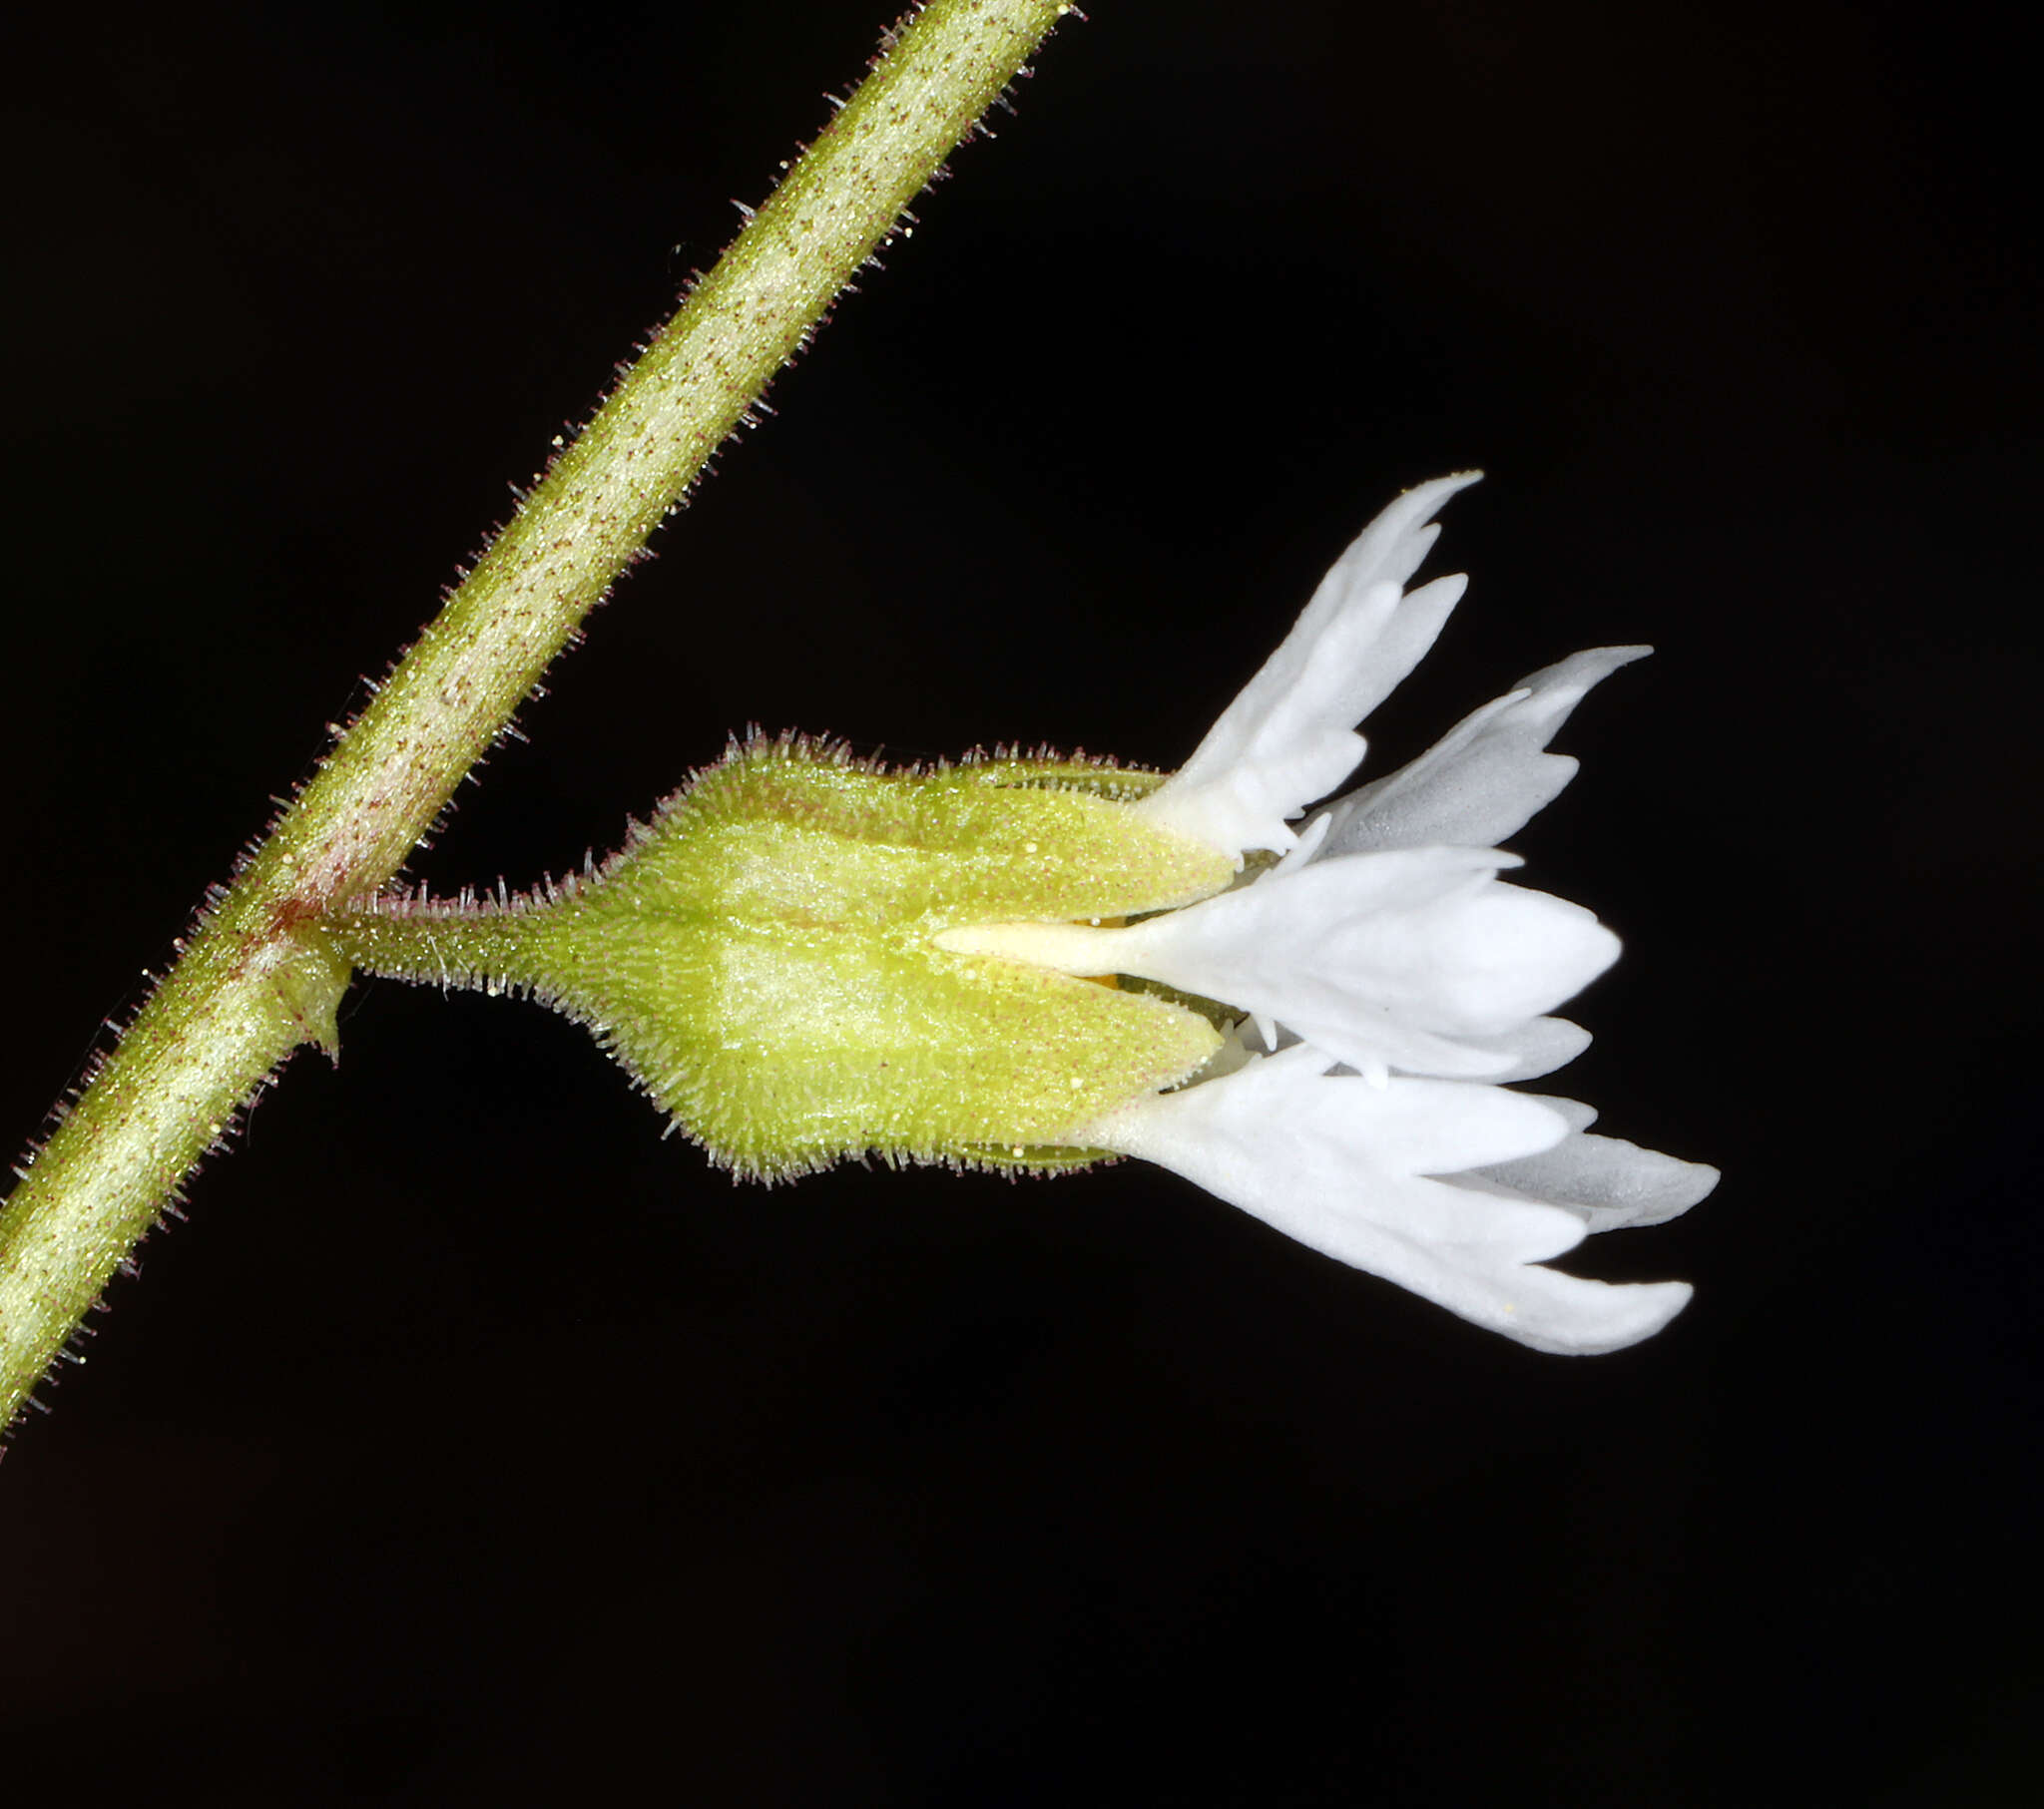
[471, 1443]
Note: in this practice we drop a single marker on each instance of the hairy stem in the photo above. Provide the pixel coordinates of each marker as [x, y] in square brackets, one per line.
[257, 976]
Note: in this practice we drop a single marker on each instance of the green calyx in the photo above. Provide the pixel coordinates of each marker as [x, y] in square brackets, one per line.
[761, 959]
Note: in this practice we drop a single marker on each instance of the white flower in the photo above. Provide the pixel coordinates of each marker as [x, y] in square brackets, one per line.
[1384, 943]
[807, 957]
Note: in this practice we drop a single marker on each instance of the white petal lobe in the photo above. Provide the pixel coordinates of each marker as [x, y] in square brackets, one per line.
[1611, 1184]
[1486, 777]
[1540, 1046]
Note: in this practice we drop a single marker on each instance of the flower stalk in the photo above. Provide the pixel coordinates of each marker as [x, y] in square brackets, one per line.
[258, 977]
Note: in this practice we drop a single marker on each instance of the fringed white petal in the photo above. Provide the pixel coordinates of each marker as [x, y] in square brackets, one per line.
[1288, 738]
[1347, 1170]
[1420, 959]
[1486, 777]
[1327, 1150]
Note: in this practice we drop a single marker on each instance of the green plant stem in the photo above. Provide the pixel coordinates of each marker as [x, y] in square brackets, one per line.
[257, 978]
